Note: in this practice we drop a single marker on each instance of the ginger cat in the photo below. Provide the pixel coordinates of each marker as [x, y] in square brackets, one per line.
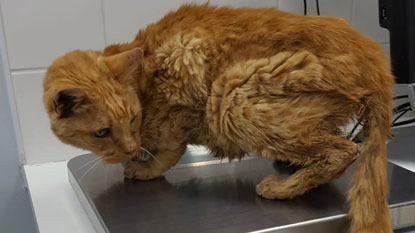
[238, 81]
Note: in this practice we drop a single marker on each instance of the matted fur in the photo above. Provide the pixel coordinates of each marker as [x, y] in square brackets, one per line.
[237, 81]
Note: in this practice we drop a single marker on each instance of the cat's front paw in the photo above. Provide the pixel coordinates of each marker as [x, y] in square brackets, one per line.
[140, 171]
[272, 187]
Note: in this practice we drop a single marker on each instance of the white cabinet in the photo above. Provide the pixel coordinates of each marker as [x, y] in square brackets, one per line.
[39, 31]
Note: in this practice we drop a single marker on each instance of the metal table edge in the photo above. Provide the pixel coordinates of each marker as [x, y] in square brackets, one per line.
[399, 213]
[87, 205]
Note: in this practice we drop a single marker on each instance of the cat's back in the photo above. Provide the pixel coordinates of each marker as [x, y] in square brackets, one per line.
[231, 35]
[216, 23]
[275, 29]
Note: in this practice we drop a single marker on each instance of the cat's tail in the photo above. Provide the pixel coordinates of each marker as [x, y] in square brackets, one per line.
[368, 192]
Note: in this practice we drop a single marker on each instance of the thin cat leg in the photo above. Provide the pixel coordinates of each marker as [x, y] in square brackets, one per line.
[167, 156]
[164, 135]
[283, 108]
[290, 107]
[334, 156]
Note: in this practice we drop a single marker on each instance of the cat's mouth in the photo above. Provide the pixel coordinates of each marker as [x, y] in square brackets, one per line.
[117, 159]
[141, 156]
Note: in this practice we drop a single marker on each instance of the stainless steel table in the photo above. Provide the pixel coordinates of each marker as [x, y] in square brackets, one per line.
[202, 194]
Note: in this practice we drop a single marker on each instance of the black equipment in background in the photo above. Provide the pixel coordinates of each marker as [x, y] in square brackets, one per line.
[398, 16]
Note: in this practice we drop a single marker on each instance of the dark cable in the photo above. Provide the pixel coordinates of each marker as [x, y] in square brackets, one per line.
[402, 106]
[404, 122]
[305, 7]
[400, 97]
[318, 7]
[401, 109]
[354, 128]
[400, 115]
[356, 139]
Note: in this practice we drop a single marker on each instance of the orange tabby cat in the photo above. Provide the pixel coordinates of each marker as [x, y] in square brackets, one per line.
[238, 81]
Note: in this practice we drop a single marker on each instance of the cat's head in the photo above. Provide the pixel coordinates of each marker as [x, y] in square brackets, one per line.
[92, 102]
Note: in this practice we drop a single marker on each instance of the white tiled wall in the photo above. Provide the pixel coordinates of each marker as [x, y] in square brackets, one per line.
[124, 18]
[40, 144]
[362, 14]
[39, 31]
[365, 18]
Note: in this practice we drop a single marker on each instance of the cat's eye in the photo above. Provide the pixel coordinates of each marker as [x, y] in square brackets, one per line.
[102, 132]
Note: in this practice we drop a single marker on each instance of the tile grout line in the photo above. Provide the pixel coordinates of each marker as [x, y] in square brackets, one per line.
[27, 70]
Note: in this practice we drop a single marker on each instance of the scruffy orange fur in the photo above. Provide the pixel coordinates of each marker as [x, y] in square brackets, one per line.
[237, 81]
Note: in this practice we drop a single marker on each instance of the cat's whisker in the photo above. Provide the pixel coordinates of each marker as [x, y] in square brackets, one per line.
[144, 157]
[106, 175]
[145, 150]
[155, 159]
[113, 173]
[89, 170]
[117, 173]
[141, 156]
[149, 153]
[86, 164]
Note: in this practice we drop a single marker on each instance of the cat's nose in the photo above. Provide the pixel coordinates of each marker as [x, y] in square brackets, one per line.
[129, 146]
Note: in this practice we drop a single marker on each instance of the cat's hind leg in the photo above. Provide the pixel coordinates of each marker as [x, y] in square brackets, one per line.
[330, 161]
[283, 108]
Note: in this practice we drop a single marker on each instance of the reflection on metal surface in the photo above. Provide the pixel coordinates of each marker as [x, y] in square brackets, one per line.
[337, 223]
[215, 196]
[211, 162]
[403, 215]
[93, 216]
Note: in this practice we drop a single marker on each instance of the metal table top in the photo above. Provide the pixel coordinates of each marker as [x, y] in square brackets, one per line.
[214, 196]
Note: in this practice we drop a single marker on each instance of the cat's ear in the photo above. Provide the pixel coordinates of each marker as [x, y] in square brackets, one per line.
[123, 64]
[70, 102]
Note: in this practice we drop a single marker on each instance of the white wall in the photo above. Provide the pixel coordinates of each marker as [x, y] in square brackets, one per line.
[39, 31]
[362, 14]
[122, 21]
